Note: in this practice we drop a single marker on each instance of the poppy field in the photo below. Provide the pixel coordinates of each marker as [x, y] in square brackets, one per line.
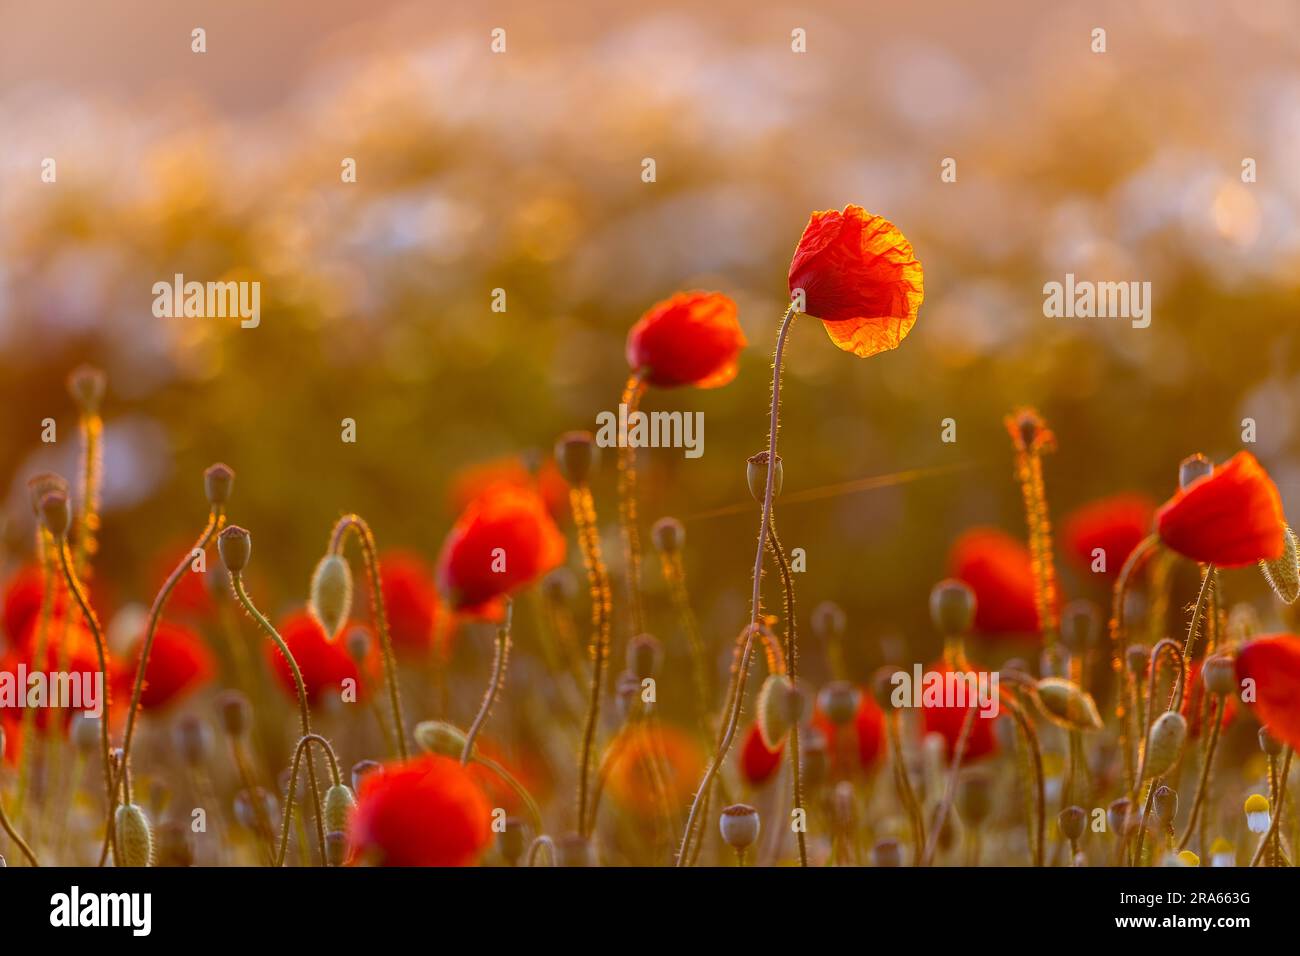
[515, 449]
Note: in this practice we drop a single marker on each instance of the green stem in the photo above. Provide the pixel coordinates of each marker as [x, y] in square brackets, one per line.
[291, 796]
[499, 659]
[787, 586]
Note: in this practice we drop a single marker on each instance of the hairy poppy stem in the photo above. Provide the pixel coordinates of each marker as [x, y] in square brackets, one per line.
[91, 427]
[1030, 740]
[499, 659]
[787, 587]
[627, 507]
[584, 517]
[1274, 827]
[903, 785]
[1124, 715]
[291, 794]
[304, 712]
[756, 597]
[675, 574]
[45, 547]
[1203, 784]
[338, 538]
[1030, 436]
[1193, 629]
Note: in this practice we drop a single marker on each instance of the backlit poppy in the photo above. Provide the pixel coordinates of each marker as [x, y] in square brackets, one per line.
[325, 665]
[410, 600]
[1115, 525]
[1230, 517]
[868, 733]
[474, 480]
[999, 570]
[179, 662]
[947, 721]
[859, 276]
[757, 763]
[423, 812]
[691, 339]
[504, 540]
[632, 780]
[1272, 663]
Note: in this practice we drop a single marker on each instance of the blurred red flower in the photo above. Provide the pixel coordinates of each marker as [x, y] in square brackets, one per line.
[475, 480]
[691, 339]
[179, 663]
[425, 812]
[868, 731]
[1273, 664]
[947, 722]
[860, 277]
[1116, 525]
[757, 763]
[1000, 571]
[22, 601]
[324, 664]
[410, 600]
[1230, 517]
[631, 779]
[504, 540]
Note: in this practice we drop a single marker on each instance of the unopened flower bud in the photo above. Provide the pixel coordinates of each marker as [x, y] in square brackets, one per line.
[644, 655]
[1072, 821]
[1220, 675]
[1121, 818]
[575, 455]
[1193, 467]
[952, 606]
[55, 513]
[236, 712]
[883, 686]
[756, 475]
[331, 593]
[440, 737]
[134, 836]
[1164, 804]
[236, 547]
[668, 535]
[1269, 744]
[1164, 744]
[1283, 572]
[218, 480]
[339, 803]
[739, 824]
[839, 701]
[1138, 656]
[778, 708]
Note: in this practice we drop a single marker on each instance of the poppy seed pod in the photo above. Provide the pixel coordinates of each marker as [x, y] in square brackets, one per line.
[575, 455]
[1193, 467]
[887, 853]
[336, 848]
[236, 547]
[134, 836]
[339, 803]
[1164, 744]
[1283, 573]
[1072, 821]
[440, 737]
[839, 701]
[974, 797]
[882, 686]
[361, 769]
[828, 622]
[952, 607]
[331, 593]
[1164, 804]
[1220, 675]
[778, 708]
[1138, 656]
[218, 480]
[1080, 625]
[38, 486]
[739, 824]
[55, 513]
[1068, 705]
[1269, 744]
[644, 655]
[756, 475]
[668, 535]
[86, 385]
[1121, 818]
[236, 712]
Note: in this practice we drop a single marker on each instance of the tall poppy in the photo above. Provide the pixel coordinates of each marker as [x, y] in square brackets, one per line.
[692, 338]
[1115, 525]
[504, 540]
[324, 664]
[410, 600]
[427, 811]
[757, 762]
[1000, 571]
[1272, 664]
[1230, 517]
[179, 663]
[859, 275]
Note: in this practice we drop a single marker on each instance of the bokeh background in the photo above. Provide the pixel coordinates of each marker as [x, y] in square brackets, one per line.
[522, 171]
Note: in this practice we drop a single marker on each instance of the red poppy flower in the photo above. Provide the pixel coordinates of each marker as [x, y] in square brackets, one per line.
[1116, 525]
[22, 603]
[503, 541]
[425, 812]
[1000, 571]
[868, 731]
[1192, 702]
[631, 780]
[1230, 517]
[947, 722]
[691, 339]
[179, 662]
[410, 600]
[475, 480]
[325, 665]
[1273, 664]
[757, 763]
[860, 277]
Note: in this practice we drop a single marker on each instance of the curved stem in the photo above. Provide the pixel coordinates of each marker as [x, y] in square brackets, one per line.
[787, 587]
[1203, 785]
[1207, 578]
[499, 658]
[950, 789]
[627, 508]
[338, 538]
[291, 795]
[526, 798]
[541, 842]
[903, 785]
[304, 712]
[584, 515]
[1030, 738]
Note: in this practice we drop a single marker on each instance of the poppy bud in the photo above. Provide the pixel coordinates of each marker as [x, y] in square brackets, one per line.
[193, 740]
[134, 836]
[575, 454]
[778, 708]
[1164, 804]
[887, 853]
[839, 700]
[644, 655]
[1072, 821]
[86, 385]
[218, 480]
[440, 737]
[85, 733]
[331, 593]
[236, 547]
[513, 841]
[236, 712]
[339, 803]
[1220, 675]
[1121, 818]
[828, 622]
[739, 824]
[573, 849]
[952, 607]
[336, 848]
[55, 514]
[1193, 467]
[668, 535]
[1068, 705]
[1283, 573]
[1164, 744]
[1268, 743]
[974, 797]
[756, 475]
[362, 768]
[1080, 625]
[560, 586]
[882, 686]
[1137, 655]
